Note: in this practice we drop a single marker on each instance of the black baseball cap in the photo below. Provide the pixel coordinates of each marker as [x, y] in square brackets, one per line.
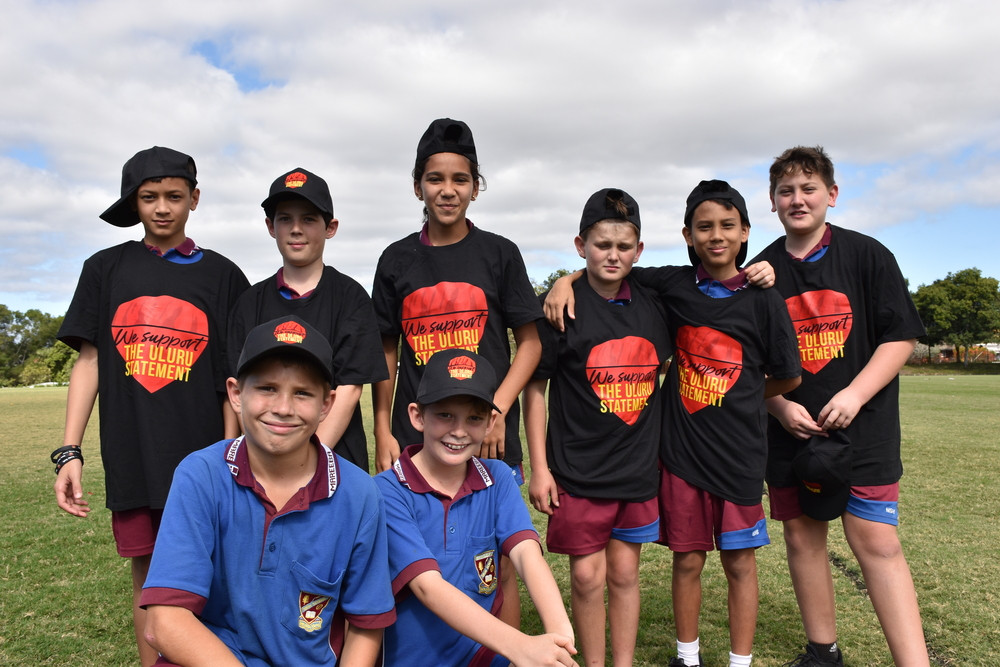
[716, 190]
[457, 373]
[823, 467]
[302, 184]
[600, 206]
[155, 162]
[286, 335]
[445, 135]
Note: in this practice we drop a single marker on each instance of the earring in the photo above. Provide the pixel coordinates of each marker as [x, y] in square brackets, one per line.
[473, 198]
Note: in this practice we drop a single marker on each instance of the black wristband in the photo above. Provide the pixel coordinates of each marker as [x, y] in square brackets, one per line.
[65, 454]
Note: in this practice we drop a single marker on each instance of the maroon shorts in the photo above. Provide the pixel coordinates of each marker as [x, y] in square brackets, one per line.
[581, 526]
[692, 519]
[872, 503]
[135, 531]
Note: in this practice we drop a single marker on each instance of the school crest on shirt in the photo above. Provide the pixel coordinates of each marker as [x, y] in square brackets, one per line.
[310, 608]
[486, 568]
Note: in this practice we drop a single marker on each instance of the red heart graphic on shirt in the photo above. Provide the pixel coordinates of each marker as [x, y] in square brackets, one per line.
[708, 363]
[445, 316]
[822, 320]
[622, 372]
[160, 338]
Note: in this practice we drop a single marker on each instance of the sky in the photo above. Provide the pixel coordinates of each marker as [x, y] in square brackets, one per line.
[564, 98]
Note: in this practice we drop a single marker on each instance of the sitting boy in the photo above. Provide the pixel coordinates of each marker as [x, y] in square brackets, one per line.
[451, 515]
[272, 551]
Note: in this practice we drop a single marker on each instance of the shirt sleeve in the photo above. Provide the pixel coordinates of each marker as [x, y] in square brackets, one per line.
[357, 345]
[409, 555]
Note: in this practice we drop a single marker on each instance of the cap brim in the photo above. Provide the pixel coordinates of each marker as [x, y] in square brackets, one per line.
[121, 214]
[434, 397]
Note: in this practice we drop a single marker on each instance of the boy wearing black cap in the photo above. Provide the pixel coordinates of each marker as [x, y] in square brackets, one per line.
[272, 550]
[856, 327]
[299, 217]
[734, 346]
[450, 516]
[149, 319]
[594, 473]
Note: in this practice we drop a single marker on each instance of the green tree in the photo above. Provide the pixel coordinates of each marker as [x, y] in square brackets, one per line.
[49, 364]
[962, 309]
[21, 336]
[547, 284]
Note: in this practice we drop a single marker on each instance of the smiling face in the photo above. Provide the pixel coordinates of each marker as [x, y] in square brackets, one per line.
[453, 428]
[281, 401]
[300, 231]
[717, 233]
[610, 247]
[446, 188]
[800, 199]
[164, 207]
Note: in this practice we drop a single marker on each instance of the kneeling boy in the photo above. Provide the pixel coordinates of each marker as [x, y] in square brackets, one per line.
[272, 551]
[451, 516]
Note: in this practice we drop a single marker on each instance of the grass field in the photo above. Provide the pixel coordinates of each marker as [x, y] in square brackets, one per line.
[64, 592]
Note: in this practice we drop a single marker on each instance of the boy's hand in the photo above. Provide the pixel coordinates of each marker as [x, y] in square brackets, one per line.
[543, 491]
[493, 443]
[761, 274]
[560, 298]
[69, 489]
[794, 418]
[386, 452]
[840, 411]
[547, 649]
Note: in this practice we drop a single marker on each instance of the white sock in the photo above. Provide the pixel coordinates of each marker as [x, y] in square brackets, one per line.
[739, 660]
[688, 651]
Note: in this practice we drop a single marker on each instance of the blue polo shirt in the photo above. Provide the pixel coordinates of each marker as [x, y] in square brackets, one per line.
[275, 587]
[463, 538]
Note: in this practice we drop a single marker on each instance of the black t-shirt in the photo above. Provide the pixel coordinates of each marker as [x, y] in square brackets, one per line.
[604, 406]
[341, 310]
[843, 306]
[715, 422]
[160, 332]
[465, 295]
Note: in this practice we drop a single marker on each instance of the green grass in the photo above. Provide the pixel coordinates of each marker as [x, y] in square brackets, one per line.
[64, 592]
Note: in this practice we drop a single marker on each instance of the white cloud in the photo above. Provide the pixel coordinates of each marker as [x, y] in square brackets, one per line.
[563, 97]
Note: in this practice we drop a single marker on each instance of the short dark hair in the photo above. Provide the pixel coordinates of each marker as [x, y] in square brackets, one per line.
[807, 159]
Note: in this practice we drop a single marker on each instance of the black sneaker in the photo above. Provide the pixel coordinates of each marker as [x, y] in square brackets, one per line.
[677, 662]
[811, 659]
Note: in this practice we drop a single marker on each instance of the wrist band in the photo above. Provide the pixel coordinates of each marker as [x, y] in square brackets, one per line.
[65, 454]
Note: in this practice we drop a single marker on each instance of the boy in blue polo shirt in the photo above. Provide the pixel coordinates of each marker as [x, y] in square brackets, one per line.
[451, 515]
[273, 551]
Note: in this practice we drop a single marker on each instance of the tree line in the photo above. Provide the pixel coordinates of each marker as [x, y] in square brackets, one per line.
[961, 309]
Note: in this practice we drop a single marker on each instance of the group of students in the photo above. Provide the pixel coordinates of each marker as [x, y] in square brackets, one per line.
[274, 546]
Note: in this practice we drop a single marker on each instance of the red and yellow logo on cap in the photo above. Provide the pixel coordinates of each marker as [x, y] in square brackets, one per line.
[295, 180]
[461, 368]
[290, 332]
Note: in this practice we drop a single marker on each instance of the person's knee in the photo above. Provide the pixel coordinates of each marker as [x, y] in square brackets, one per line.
[740, 565]
[873, 542]
[588, 574]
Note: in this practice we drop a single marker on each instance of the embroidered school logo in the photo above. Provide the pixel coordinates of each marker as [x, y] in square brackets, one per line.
[622, 373]
[822, 320]
[486, 568]
[461, 368]
[310, 608]
[445, 316]
[290, 332]
[295, 180]
[160, 338]
[708, 363]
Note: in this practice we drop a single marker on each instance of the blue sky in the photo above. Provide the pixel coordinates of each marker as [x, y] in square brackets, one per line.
[564, 98]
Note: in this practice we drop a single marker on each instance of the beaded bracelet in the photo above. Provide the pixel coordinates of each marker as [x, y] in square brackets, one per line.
[65, 454]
